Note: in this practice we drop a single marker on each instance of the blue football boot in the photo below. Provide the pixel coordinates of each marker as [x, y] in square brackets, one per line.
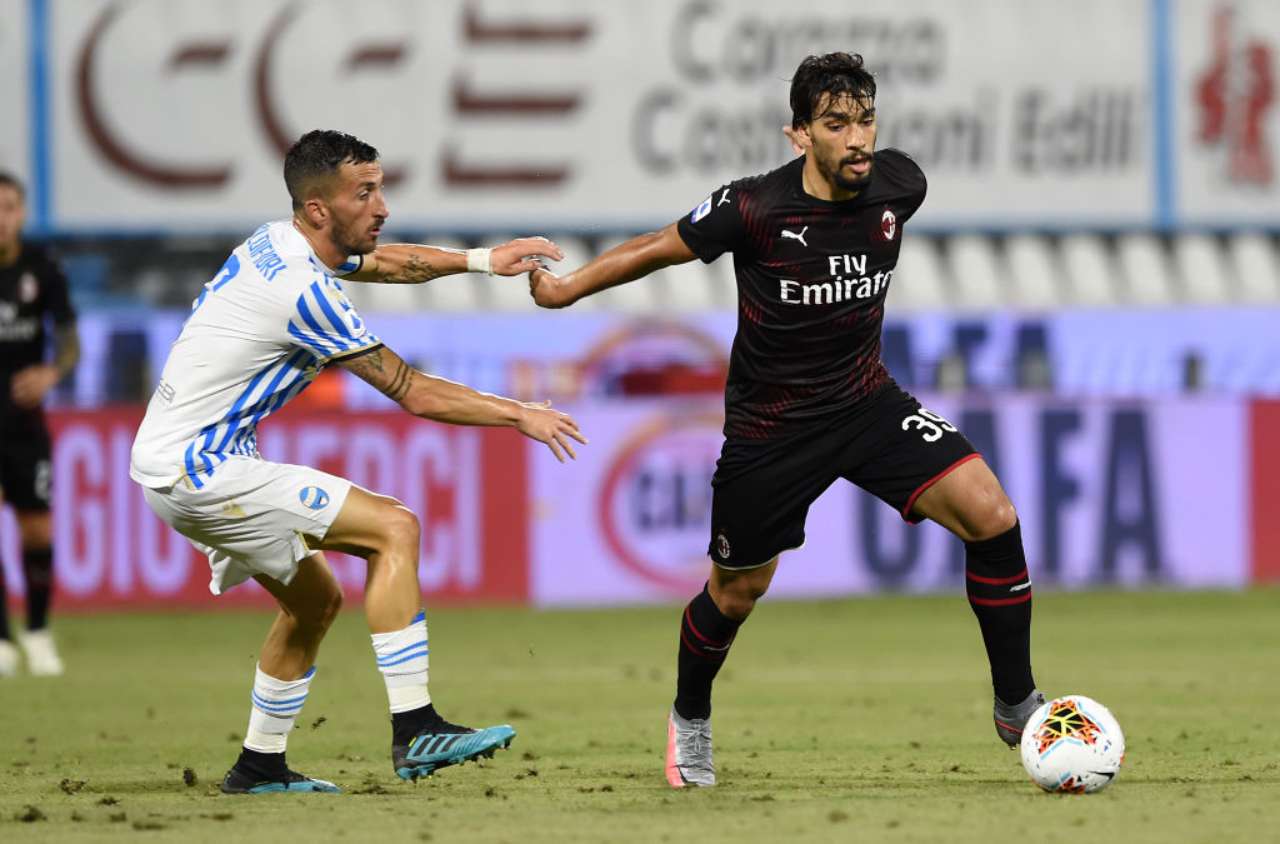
[447, 744]
[240, 782]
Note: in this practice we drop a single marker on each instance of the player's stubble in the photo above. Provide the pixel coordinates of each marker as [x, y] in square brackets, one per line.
[832, 156]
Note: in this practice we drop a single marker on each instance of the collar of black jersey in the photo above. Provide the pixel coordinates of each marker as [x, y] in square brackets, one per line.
[864, 195]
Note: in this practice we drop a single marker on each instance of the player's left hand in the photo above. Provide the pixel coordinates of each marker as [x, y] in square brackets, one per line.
[29, 386]
[539, 422]
[522, 255]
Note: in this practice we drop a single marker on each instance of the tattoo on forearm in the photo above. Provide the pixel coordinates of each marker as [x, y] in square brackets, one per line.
[399, 386]
[415, 269]
[366, 367]
[372, 369]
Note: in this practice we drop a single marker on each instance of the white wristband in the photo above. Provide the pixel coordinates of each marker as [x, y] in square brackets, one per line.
[478, 261]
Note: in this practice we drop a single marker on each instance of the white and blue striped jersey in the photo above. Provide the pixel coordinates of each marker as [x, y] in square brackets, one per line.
[258, 334]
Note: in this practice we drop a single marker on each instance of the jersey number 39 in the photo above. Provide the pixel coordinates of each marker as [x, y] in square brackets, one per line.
[930, 425]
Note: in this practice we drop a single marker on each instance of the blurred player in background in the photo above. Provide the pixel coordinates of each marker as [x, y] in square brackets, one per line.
[268, 321]
[33, 290]
[808, 399]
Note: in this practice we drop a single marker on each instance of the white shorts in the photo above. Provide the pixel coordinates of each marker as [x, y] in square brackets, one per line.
[252, 516]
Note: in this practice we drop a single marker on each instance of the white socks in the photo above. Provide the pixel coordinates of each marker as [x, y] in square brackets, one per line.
[402, 659]
[276, 704]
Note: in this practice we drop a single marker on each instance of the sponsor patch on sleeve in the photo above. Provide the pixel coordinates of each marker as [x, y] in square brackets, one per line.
[701, 211]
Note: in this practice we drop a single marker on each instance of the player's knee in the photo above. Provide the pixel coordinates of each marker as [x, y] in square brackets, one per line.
[401, 528]
[992, 518]
[737, 599]
[35, 531]
[735, 606]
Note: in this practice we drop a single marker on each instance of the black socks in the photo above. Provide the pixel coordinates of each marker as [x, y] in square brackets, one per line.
[406, 725]
[999, 589]
[37, 570]
[4, 609]
[262, 766]
[37, 567]
[705, 637]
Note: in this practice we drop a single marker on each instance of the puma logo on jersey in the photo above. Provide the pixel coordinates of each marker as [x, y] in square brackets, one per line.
[796, 236]
[724, 198]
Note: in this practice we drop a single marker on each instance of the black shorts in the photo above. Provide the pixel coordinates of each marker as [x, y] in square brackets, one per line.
[25, 469]
[889, 445]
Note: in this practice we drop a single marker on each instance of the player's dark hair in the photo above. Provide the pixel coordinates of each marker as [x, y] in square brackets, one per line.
[8, 180]
[318, 155]
[836, 74]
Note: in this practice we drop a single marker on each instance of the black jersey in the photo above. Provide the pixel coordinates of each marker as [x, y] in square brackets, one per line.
[32, 290]
[812, 278]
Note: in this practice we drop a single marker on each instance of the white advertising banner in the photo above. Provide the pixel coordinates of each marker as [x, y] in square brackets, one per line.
[1227, 109]
[173, 115]
[1101, 488]
[15, 61]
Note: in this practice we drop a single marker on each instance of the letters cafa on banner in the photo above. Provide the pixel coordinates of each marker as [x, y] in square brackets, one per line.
[467, 486]
[174, 114]
[1103, 491]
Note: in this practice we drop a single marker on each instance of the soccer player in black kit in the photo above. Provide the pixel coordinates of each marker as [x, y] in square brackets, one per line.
[32, 289]
[808, 399]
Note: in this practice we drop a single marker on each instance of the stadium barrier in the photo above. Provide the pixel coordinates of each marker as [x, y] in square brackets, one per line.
[1170, 493]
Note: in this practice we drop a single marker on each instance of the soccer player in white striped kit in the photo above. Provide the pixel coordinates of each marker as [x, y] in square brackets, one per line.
[258, 334]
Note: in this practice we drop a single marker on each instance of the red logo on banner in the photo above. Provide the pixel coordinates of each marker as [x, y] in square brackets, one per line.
[1234, 96]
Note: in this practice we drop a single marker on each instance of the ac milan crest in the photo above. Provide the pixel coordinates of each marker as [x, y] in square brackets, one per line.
[28, 288]
[888, 224]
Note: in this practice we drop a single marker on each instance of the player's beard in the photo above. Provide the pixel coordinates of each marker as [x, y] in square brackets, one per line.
[833, 170]
[355, 239]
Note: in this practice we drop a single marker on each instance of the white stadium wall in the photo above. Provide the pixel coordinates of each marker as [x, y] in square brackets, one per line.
[171, 115]
[15, 85]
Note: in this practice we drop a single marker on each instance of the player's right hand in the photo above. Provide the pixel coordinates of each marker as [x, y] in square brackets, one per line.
[29, 386]
[548, 289]
[522, 255]
[539, 422]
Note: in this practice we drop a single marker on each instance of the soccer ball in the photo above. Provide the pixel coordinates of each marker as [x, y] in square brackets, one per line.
[1072, 744]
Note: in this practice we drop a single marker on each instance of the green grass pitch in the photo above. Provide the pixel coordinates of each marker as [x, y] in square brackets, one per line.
[845, 720]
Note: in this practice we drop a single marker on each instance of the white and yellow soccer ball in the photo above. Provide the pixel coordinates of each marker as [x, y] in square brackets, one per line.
[1072, 744]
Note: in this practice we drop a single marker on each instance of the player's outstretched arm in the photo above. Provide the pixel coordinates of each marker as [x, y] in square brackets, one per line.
[443, 400]
[411, 263]
[627, 261]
